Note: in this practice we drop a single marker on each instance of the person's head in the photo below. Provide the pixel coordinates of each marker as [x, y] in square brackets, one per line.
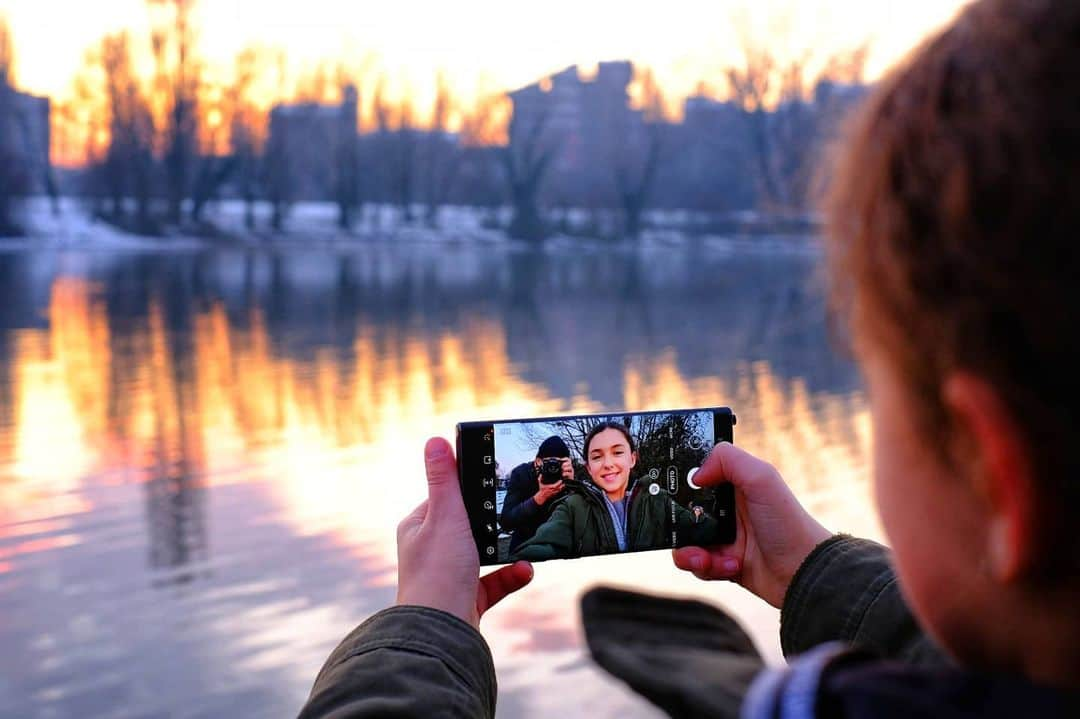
[551, 448]
[609, 456]
[954, 256]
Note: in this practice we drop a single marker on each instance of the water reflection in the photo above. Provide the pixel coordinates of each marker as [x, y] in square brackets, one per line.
[203, 456]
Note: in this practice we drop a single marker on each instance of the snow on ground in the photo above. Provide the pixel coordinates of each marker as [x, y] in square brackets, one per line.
[317, 222]
[69, 225]
[314, 225]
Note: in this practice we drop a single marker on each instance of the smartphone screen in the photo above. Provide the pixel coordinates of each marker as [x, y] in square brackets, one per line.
[586, 485]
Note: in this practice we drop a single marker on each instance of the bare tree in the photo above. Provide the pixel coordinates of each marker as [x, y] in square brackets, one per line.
[128, 163]
[277, 170]
[749, 87]
[783, 125]
[347, 154]
[440, 155]
[528, 153]
[89, 111]
[404, 163]
[848, 67]
[479, 177]
[635, 165]
[276, 167]
[840, 88]
[396, 142]
[211, 174]
[213, 163]
[243, 118]
[177, 81]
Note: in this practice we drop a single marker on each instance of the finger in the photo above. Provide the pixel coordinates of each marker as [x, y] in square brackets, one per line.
[444, 492]
[728, 463]
[500, 583]
[707, 563]
[707, 567]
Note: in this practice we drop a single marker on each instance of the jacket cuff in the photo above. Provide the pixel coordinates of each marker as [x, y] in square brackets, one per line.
[426, 631]
[831, 592]
[529, 509]
[795, 690]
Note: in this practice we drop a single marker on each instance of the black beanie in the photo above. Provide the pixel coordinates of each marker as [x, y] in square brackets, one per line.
[553, 446]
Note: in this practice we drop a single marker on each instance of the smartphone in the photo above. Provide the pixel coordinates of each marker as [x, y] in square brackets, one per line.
[633, 487]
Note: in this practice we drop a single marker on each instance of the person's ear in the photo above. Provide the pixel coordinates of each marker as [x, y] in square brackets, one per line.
[633, 460]
[1000, 468]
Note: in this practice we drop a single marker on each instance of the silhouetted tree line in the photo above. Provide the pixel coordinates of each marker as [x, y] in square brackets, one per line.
[176, 144]
[761, 149]
[159, 167]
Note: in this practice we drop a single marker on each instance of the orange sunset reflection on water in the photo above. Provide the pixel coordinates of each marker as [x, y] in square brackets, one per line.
[257, 484]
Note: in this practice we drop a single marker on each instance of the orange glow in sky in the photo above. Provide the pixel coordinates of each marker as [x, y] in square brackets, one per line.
[481, 45]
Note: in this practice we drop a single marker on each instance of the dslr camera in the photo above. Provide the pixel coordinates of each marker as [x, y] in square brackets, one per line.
[550, 470]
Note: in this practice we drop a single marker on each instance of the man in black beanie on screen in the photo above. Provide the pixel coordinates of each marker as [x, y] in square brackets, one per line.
[531, 494]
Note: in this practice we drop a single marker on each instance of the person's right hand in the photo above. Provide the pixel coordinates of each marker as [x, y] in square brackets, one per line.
[774, 534]
[547, 491]
[567, 468]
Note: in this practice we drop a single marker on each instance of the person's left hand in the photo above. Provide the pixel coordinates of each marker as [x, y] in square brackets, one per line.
[438, 565]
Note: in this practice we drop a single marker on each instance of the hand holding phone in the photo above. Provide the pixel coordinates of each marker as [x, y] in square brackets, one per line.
[774, 533]
[437, 563]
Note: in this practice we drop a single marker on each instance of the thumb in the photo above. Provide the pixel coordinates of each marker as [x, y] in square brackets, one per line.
[443, 488]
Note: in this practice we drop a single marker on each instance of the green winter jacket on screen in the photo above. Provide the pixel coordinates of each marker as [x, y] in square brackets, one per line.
[580, 525]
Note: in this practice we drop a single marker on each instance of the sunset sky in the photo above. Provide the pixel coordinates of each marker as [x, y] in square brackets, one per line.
[488, 44]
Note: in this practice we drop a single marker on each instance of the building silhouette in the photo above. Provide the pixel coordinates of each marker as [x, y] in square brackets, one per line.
[25, 138]
[585, 122]
[310, 136]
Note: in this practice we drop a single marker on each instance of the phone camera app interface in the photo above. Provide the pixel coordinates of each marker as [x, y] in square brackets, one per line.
[569, 487]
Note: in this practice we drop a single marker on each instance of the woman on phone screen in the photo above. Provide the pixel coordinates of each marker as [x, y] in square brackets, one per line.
[611, 513]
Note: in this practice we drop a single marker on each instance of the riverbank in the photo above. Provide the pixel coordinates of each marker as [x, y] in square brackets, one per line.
[68, 224]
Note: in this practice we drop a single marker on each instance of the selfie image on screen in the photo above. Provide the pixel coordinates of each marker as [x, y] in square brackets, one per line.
[583, 486]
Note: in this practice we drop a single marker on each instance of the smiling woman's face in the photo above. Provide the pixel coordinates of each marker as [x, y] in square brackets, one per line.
[609, 462]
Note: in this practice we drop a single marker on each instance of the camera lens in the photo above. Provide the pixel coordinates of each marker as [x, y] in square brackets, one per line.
[551, 470]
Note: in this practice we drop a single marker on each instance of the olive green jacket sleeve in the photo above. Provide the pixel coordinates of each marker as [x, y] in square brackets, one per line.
[846, 589]
[554, 539]
[406, 662]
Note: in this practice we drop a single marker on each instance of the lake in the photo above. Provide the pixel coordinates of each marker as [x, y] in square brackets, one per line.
[204, 454]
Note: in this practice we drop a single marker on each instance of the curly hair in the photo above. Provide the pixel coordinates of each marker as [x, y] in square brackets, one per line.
[953, 224]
